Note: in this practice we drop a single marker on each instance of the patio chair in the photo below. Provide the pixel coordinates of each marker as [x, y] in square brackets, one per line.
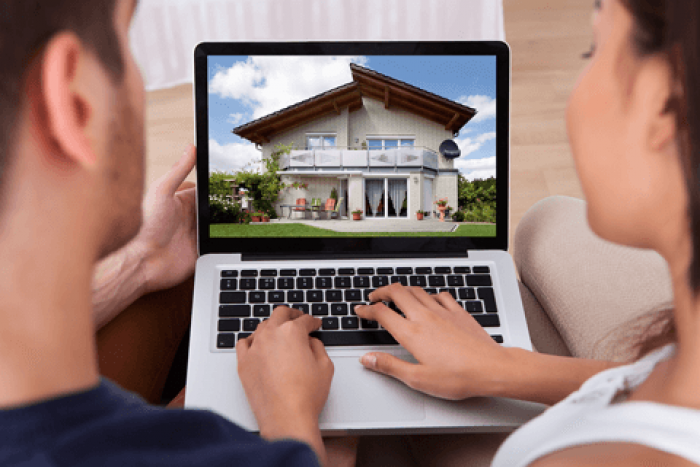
[336, 211]
[330, 204]
[300, 209]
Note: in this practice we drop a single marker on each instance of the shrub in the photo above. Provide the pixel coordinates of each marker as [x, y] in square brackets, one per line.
[223, 211]
[217, 185]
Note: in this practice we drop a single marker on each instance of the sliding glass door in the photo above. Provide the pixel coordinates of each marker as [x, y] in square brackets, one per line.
[386, 198]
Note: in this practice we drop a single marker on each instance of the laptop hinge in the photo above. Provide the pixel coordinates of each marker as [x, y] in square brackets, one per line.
[337, 255]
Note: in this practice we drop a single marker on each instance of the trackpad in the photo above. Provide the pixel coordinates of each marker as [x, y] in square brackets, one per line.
[360, 395]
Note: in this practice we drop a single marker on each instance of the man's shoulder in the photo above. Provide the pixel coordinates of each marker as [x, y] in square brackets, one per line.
[611, 455]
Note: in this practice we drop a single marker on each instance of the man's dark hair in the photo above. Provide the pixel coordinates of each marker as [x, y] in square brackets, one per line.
[26, 26]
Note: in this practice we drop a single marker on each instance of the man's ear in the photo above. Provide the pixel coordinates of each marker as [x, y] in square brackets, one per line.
[66, 92]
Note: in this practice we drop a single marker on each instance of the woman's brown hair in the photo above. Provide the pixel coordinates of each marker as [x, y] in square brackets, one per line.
[671, 28]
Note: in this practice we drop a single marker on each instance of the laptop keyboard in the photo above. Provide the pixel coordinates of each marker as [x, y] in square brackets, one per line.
[248, 296]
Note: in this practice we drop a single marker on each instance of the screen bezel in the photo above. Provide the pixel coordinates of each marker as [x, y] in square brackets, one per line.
[369, 246]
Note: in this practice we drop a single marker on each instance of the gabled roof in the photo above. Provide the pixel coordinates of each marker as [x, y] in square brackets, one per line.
[368, 83]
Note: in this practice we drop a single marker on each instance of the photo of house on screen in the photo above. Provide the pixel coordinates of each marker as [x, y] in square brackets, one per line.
[376, 140]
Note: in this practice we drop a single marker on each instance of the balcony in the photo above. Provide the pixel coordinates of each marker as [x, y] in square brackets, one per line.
[341, 159]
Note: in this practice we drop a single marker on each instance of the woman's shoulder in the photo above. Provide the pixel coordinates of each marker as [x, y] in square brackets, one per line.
[611, 455]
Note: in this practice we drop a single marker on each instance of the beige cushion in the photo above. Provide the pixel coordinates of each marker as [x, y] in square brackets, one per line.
[545, 337]
[590, 288]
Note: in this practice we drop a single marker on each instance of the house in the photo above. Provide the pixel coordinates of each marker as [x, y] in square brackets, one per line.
[375, 140]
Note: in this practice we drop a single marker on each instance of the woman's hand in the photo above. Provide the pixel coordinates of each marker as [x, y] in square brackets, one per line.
[456, 357]
[287, 376]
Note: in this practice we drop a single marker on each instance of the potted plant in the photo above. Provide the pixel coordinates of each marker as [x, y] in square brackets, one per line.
[256, 217]
[419, 215]
[265, 217]
[357, 215]
[442, 207]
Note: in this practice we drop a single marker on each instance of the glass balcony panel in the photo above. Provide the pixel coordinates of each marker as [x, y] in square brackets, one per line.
[327, 157]
[354, 158]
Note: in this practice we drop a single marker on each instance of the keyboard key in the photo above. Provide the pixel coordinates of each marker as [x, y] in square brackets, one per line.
[486, 294]
[314, 296]
[479, 280]
[285, 283]
[229, 325]
[436, 281]
[234, 311]
[243, 335]
[334, 296]
[462, 270]
[256, 297]
[330, 324]
[404, 271]
[347, 338]
[261, 311]
[250, 324]
[488, 321]
[353, 295]
[467, 294]
[319, 309]
[229, 273]
[366, 293]
[360, 282]
[288, 272]
[443, 270]
[249, 273]
[368, 324]
[307, 272]
[248, 284]
[424, 270]
[305, 283]
[275, 297]
[229, 284]
[481, 270]
[455, 281]
[352, 307]
[324, 282]
[498, 338]
[473, 306]
[346, 271]
[232, 297]
[277, 305]
[226, 341]
[339, 309]
[267, 283]
[350, 322]
[365, 271]
[303, 307]
[343, 282]
[385, 271]
[403, 280]
[452, 292]
[268, 273]
[295, 296]
[417, 281]
[326, 272]
[380, 281]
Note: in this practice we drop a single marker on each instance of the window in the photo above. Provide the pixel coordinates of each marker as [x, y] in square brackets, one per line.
[389, 143]
[320, 141]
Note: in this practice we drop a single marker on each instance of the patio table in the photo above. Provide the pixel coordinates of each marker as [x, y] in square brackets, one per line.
[291, 208]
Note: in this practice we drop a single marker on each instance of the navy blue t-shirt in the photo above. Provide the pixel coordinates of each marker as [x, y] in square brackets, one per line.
[109, 427]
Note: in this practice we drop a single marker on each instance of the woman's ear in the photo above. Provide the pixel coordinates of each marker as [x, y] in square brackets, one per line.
[662, 95]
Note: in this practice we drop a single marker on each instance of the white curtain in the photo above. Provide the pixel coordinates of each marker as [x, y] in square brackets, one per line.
[397, 193]
[165, 32]
[375, 190]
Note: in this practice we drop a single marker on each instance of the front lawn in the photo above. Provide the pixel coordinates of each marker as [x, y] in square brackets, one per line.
[302, 230]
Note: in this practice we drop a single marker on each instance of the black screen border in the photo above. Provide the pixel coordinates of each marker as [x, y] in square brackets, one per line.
[363, 246]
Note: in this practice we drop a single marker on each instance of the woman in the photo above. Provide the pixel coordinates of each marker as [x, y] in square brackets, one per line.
[634, 128]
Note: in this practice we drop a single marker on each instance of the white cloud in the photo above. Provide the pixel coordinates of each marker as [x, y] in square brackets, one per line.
[472, 169]
[485, 106]
[267, 84]
[235, 119]
[233, 157]
[470, 145]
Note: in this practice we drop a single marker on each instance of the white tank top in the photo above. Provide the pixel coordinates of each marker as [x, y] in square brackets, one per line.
[587, 416]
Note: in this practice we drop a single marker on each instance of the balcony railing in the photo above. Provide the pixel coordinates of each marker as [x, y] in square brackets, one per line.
[359, 158]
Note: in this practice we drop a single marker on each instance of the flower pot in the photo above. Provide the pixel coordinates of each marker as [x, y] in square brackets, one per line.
[419, 216]
[357, 217]
[442, 210]
[266, 219]
[255, 219]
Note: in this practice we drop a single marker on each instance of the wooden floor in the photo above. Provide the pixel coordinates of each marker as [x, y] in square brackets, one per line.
[547, 38]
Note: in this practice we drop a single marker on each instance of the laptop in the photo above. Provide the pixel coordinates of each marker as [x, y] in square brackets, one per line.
[327, 170]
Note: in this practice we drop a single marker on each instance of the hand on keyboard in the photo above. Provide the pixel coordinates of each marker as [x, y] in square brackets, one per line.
[456, 357]
[286, 375]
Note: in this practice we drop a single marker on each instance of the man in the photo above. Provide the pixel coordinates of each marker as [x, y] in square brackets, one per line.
[71, 185]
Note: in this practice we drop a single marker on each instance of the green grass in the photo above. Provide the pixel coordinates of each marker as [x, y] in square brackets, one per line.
[302, 230]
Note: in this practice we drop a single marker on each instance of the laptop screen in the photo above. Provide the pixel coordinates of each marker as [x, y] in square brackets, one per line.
[327, 147]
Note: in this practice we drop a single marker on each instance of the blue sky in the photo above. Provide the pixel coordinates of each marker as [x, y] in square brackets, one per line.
[242, 89]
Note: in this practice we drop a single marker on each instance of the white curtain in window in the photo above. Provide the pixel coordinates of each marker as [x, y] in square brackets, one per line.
[375, 190]
[397, 193]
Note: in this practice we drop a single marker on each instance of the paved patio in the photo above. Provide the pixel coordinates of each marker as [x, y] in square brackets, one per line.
[375, 225]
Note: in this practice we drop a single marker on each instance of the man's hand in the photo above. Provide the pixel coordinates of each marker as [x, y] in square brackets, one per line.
[287, 377]
[168, 236]
[456, 357]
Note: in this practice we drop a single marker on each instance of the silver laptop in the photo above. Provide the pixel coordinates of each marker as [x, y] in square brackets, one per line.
[327, 170]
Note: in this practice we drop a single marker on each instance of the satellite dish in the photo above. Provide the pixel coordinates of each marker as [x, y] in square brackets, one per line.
[449, 149]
